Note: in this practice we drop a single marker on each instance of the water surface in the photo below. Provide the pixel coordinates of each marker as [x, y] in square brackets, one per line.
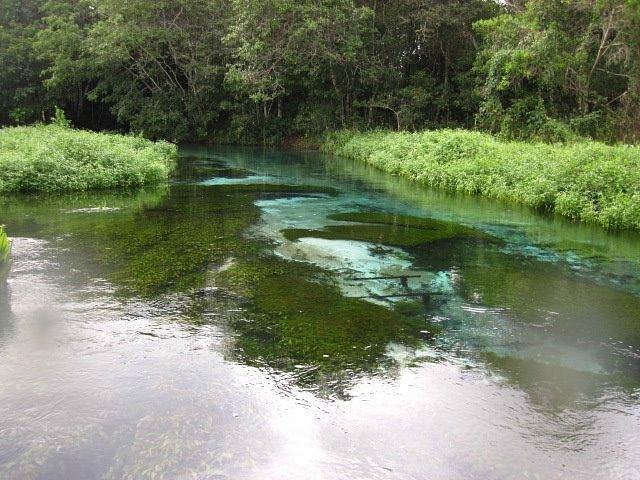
[288, 315]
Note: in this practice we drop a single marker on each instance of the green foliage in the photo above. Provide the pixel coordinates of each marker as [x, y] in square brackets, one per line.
[60, 119]
[586, 181]
[22, 95]
[558, 68]
[241, 71]
[5, 250]
[263, 71]
[57, 158]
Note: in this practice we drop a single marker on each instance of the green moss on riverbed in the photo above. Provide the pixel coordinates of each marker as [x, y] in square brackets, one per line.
[386, 229]
[288, 315]
[296, 319]
[159, 240]
[271, 189]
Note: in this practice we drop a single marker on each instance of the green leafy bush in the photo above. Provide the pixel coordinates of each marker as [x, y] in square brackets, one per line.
[586, 181]
[60, 118]
[54, 158]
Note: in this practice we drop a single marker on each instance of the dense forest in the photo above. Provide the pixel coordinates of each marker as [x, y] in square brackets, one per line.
[248, 71]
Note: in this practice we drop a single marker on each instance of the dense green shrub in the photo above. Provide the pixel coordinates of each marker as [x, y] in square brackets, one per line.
[586, 181]
[55, 158]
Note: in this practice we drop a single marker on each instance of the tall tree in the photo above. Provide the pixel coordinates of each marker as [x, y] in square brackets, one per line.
[306, 48]
[22, 95]
[561, 65]
[162, 64]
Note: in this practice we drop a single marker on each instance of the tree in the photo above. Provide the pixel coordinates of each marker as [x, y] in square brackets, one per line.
[22, 95]
[162, 64]
[306, 48]
[561, 65]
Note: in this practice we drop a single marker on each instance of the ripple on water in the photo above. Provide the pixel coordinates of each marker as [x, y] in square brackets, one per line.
[508, 373]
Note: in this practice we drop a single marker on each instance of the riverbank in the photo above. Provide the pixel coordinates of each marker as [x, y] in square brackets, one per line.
[587, 181]
[52, 158]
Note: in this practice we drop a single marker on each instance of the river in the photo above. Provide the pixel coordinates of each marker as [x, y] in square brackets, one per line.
[279, 315]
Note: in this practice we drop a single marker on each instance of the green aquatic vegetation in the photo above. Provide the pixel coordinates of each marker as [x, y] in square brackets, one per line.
[150, 243]
[159, 240]
[53, 158]
[296, 319]
[422, 223]
[229, 172]
[169, 247]
[586, 181]
[499, 281]
[5, 250]
[396, 236]
[386, 229]
[275, 188]
[584, 250]
[194, 169]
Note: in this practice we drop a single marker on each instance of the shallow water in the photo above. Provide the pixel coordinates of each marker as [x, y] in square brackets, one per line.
[251, 320]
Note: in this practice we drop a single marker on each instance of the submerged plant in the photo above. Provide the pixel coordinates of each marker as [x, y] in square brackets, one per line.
[386, 229]
[295, 318]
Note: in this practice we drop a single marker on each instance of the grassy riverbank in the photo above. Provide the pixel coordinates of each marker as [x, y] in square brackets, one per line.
[54, 158]
[585, 181]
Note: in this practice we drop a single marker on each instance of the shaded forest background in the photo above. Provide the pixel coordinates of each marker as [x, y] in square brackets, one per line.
[264, 71]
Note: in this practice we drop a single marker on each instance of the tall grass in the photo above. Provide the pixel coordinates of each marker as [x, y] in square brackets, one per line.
[55, 158]
[5, 249]
[586, 181]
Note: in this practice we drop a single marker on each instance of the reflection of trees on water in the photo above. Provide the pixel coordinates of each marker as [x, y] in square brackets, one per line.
[6, 317]
[296, 321]
[535, 325]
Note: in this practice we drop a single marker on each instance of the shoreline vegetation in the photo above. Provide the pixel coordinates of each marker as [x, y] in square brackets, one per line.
[584, 181]
[5, 250]
[57, 158]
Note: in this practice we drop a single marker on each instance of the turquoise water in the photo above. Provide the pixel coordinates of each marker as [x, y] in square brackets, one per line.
[289, 315]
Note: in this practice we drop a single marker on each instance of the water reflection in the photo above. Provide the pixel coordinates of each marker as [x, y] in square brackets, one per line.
[145, 244]
[6, 325]
[211, 328]
[472, 294]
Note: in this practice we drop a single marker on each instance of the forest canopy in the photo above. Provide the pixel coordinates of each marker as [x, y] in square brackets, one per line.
[247, 71]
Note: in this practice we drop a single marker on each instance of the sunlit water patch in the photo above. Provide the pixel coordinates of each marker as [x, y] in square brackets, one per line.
[249, 179]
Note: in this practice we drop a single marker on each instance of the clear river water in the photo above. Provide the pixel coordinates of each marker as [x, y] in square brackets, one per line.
[278, 315]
